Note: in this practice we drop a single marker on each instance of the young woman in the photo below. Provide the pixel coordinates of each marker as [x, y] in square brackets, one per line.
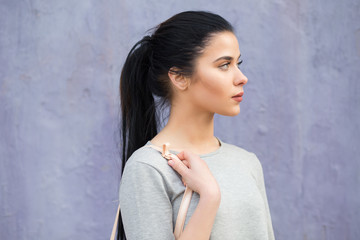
[191, 61]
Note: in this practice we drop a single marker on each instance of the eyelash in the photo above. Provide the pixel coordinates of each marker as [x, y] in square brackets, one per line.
[228, 63]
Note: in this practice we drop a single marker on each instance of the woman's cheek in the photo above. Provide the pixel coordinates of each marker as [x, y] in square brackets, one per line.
[213, 84]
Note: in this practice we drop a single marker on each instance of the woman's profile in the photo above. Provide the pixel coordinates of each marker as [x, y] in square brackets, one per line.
[191, 62]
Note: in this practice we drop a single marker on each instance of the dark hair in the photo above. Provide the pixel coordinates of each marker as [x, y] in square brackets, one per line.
[174, 46]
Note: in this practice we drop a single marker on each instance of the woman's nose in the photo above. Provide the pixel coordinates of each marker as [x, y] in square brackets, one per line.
[240, 78]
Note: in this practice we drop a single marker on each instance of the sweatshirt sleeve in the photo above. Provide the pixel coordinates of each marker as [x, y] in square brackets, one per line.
[261, 185]
[144, 202]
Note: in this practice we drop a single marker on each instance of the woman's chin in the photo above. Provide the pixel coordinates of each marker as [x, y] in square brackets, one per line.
[232, 112]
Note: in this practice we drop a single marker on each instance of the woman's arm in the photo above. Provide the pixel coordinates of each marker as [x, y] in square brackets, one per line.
[144, 202]
[261, 185]
[197, 176]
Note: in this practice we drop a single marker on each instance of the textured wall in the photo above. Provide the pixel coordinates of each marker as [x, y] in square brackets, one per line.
[59, 68]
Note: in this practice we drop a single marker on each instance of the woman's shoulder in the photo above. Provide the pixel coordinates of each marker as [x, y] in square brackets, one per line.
[146, 168]
[247, 158]
[147, 157]
[238, 153]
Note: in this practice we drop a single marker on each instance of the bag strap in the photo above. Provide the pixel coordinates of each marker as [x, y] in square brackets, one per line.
[184, 205]
[113, 232]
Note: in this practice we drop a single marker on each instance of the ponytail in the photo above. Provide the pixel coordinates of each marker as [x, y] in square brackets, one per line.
[137, 105]
[137, 102]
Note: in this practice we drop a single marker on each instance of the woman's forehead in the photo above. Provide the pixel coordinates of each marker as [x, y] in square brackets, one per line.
[222, 44]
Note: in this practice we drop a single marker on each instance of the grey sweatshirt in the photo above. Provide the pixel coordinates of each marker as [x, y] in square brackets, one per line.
[151, 193]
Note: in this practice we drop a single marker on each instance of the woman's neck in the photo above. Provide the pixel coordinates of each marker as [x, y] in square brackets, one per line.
[188, 129]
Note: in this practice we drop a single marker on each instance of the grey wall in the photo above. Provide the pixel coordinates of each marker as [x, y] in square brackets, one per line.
[59, 69]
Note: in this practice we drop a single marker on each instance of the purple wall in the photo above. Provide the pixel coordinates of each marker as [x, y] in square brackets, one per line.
[59, 71]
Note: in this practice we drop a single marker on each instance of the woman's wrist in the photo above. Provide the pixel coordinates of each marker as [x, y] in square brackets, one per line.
[211, 195]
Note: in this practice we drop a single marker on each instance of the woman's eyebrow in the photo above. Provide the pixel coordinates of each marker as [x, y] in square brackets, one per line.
[229, 58]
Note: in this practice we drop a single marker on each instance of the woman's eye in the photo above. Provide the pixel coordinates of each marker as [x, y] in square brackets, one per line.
[224, 66]
[239, 63]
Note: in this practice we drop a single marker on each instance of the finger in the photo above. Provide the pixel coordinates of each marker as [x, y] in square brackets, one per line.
[186, 163]
[178, 165]
[181, 155]
[183, 181]
[185, 155]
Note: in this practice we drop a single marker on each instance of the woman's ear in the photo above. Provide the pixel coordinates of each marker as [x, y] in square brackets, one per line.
[179, 81]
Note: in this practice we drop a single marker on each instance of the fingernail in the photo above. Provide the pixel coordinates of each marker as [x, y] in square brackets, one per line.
[170, 162]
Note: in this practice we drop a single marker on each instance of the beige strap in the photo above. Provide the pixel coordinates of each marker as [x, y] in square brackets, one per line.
[113, 233]
[184, 206]
[185, 202]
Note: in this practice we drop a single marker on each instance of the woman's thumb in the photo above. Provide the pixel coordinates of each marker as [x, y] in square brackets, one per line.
[184, 155]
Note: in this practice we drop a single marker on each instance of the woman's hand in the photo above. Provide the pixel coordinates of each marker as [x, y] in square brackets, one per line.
[196, 174]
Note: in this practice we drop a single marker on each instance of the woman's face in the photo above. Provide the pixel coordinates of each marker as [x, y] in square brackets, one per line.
[217, 79]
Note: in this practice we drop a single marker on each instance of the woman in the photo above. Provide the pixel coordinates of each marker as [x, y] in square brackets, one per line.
[191, 62]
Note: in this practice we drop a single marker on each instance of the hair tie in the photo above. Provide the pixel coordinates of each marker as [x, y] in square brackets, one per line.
[147, 39]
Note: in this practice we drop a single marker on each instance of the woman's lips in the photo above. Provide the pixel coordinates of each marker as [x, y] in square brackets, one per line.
[238, 97]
